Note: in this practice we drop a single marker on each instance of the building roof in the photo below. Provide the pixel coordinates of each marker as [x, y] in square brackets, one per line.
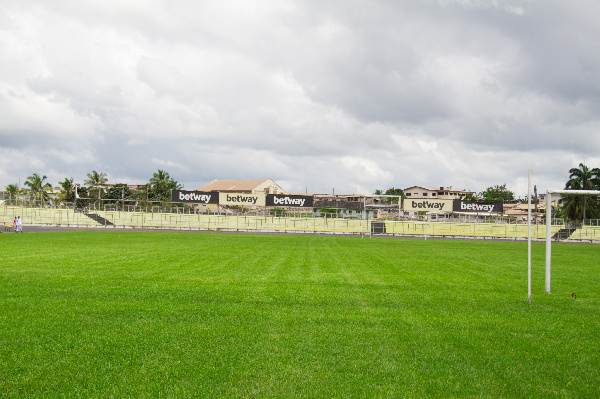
[232, 185]
[453, 190]
[523, 207]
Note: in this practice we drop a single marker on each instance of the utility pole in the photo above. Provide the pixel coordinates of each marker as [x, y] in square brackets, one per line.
[535, 199]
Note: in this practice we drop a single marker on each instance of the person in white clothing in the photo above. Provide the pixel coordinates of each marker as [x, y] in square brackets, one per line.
[19, 224]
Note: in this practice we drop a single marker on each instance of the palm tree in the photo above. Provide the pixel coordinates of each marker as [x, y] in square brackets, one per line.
[582, 178]
[160, 179]
[162, 184]
[12, 190]
[37, 186]
[96, 180]
[67, 192]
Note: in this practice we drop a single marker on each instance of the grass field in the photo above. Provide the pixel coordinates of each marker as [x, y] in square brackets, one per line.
[156, 314]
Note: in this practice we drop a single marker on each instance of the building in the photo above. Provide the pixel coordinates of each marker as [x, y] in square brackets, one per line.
[436, 193]
[442, 196]
[267, 186]
[346, 206]
[519, 211]
[245, 188]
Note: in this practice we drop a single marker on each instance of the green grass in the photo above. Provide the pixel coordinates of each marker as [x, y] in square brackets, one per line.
[136, 314]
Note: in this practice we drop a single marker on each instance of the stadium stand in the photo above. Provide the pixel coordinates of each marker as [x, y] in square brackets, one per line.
[586, 233]
[254, 223]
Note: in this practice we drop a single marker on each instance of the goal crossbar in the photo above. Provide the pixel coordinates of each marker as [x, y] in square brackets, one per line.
[548, 226]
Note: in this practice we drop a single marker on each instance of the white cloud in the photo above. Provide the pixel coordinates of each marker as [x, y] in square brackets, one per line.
[27, 115]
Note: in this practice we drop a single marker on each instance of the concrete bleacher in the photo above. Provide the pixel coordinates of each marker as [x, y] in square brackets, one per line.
[45, 216]
[591, 233]
[236, 223]
[483, 230]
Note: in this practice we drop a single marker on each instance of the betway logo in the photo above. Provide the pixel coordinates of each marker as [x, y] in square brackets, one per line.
[242, 198]
[289, 201]
[428, 205]
[194, 197]
[476, 207]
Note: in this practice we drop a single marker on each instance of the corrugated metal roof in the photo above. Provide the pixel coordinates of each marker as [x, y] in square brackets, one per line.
[232, 185]
[450, 190]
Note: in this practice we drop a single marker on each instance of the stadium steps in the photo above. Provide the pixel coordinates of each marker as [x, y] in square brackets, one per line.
[99, 219]
[563, 234]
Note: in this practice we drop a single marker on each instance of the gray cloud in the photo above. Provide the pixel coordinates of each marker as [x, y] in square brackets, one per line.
[354, 95]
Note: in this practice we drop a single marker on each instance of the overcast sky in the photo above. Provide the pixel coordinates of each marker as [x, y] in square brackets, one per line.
[317, 95]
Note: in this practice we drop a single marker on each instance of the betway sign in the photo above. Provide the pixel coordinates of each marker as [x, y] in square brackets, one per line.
[427, 205]
[242, 199]
[296, 201]
[194, 197]
[477, 207]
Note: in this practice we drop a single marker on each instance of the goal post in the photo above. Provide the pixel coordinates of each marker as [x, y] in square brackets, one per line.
[549, 226]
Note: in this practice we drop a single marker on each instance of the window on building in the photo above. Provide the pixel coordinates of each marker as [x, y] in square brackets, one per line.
[433, 194]
[424, 194]
[408, 194]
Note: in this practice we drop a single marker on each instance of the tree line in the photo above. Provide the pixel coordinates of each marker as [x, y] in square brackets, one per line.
[158, 190]
[571, 207]
[95, 189]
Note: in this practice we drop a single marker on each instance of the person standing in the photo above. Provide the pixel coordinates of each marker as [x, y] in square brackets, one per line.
[15, 224]
[19, 224]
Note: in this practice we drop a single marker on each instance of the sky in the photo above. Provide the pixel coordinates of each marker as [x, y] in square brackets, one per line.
[320, 96]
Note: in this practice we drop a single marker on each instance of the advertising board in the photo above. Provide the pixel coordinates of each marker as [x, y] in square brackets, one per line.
[477, 206]
[242, 199]
[427, 205]
[296, 201]
[194, 197]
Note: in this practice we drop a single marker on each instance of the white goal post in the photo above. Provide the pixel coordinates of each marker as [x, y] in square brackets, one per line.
[548, 225]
